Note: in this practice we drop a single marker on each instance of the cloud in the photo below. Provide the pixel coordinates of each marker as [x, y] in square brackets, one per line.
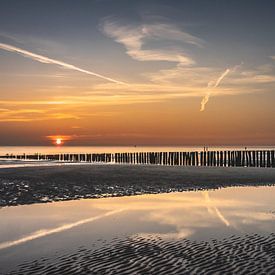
[135, 38]
[47, 232]
[107, 94]
[261, 75]
[214, 84]
[257, 79]
[47, 60]
[27, 111]
[30, 115]
[193, 76]
[212, 209]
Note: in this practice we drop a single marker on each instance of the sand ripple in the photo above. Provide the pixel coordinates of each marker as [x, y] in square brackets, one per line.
[249, 254]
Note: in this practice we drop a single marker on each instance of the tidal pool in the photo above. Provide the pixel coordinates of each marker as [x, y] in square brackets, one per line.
[52, 236]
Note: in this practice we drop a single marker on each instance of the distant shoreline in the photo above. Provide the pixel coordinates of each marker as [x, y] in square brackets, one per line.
[41, 184]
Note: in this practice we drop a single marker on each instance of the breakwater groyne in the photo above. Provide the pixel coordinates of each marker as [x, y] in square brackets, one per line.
[245, 158]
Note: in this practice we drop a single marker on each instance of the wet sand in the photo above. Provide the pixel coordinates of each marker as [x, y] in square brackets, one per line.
[26, 185]
[249, 254]
[230, 230]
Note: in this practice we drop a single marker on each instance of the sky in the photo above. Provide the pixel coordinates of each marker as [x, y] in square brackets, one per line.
[139, 72]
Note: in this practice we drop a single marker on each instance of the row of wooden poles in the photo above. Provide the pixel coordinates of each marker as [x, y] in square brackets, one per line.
[257, 158]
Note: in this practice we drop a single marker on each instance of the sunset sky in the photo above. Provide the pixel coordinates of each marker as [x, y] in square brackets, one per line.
[145, 72]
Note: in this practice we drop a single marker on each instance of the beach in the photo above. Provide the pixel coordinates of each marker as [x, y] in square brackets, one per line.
[56, 182]
[88, 218]
[227, 230]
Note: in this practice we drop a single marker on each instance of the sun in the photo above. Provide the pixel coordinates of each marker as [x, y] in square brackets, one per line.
[58, 141]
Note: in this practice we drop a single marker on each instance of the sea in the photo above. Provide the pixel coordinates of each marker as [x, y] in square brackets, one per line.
[119, 149]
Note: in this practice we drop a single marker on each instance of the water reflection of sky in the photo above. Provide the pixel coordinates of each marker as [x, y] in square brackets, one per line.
[31, 231]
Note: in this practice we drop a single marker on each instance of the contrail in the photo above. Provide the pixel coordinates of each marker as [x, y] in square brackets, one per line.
[223, 75]
[46, 232]
[215, 84]
[212, 84]
[214, 210]
[47, 60]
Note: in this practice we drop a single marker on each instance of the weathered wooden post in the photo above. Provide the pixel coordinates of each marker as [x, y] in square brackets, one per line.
[264, 158]
[212, 158]
[234, 158]
[189, 159]
[248, 157]
[226, 159]
[242, 160]
[197, 158]
[268, 160]
[273, 158]
[254, 157]
[221, 158]
[261, 158]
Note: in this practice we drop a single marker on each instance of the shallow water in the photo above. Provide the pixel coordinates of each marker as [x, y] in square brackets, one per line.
[45, 231]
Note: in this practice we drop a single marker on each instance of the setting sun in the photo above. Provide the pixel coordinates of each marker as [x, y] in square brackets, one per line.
[58, 141]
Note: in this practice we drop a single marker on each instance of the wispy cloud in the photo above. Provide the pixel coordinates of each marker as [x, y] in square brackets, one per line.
[135, 38]
[73, 109]
[211, 85]
[214, 84]
[47, 60]
[183, 76]
[30, 115]
[47, 232]
[214, 209]
[79, 106]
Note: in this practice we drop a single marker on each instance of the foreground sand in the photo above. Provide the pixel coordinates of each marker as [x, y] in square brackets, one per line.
[25, 185]
[230, 230]
[249, 254]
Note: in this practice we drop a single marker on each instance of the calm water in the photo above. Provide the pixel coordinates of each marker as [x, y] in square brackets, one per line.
[115, 149]
[44, 230]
